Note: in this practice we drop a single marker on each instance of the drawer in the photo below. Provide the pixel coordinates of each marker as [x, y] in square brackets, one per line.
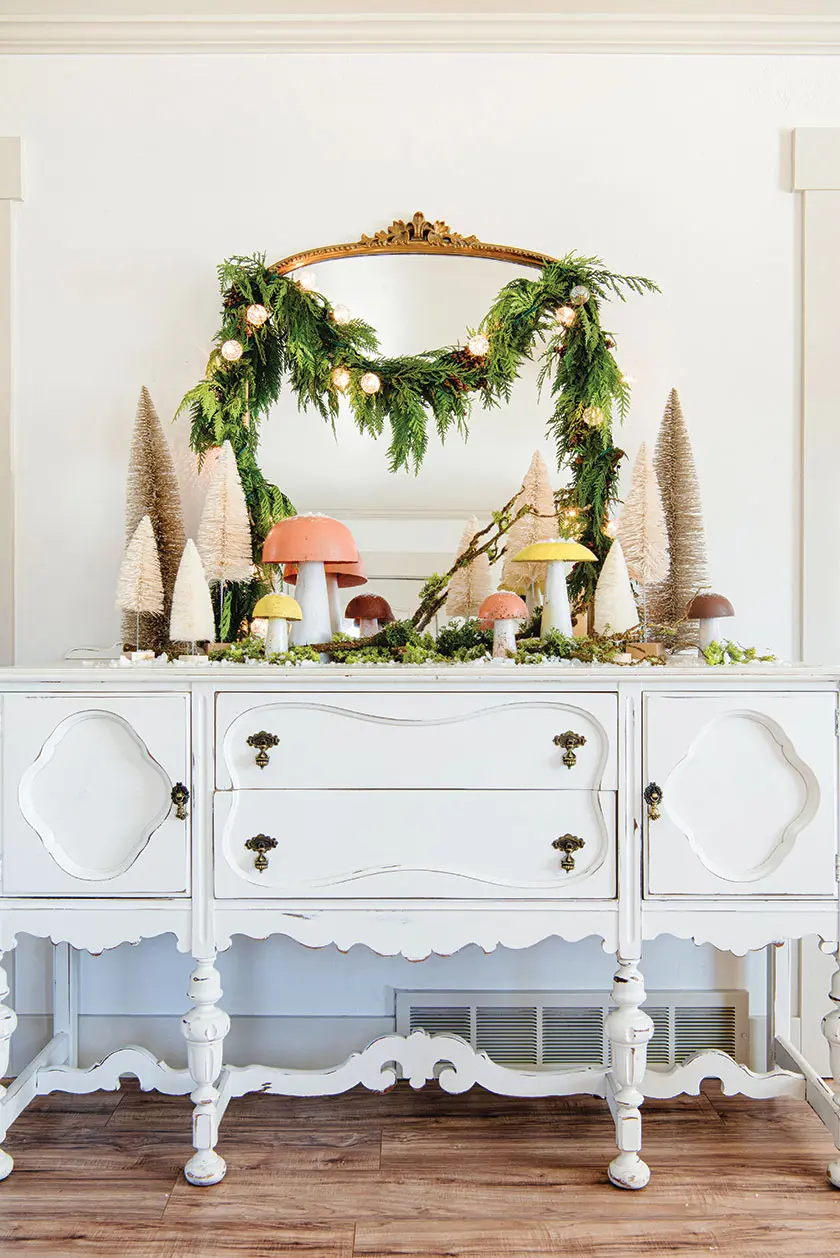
[749, 784]
[87, 795]
[396, 740]
[475, 845]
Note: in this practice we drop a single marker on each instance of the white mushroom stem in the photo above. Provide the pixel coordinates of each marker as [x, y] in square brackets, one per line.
[277, 635]
[556, 612]
[504, 638]
[335, 606]
[314, 602]
[367, 628]
[709, 632]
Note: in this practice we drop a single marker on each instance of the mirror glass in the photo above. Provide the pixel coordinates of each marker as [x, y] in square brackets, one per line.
[414, 303]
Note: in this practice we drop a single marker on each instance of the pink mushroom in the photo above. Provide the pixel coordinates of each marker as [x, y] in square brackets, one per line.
[310, 542]
[505, 612]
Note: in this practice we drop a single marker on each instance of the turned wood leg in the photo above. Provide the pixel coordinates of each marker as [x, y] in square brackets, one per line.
[205, 1028]
[629, 1029]
[8, 1022]
[831, 1031]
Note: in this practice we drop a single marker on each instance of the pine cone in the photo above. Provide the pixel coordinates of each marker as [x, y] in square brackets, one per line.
[232, 297]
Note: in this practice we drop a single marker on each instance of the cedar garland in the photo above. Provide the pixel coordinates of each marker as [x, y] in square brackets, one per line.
[301, 343]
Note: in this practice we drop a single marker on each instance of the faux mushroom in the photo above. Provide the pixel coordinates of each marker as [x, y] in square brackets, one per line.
[340, 576]
[709, 609]
[278, 610]
[556, 613]
[310, 541]
[370, 612]
[505, 612]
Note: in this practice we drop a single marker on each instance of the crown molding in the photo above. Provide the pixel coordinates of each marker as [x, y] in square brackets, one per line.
[418, 32]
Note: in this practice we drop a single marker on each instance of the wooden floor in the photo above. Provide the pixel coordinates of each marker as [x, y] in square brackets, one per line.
[417, 1173]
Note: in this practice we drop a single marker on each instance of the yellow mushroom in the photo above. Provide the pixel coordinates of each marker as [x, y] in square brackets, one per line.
[278, 610]
[556, 612]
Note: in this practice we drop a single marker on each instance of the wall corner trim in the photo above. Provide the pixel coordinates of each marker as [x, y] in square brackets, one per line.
[11, 168]
[816, 159]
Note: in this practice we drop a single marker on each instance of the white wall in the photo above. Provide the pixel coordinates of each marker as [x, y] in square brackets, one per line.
[144, 172]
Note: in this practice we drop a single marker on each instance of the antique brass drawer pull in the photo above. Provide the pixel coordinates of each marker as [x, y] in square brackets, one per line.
[568, 843]
[180, 797]
[653, 798]
[569, 740]
[261, 843]
[262, 742]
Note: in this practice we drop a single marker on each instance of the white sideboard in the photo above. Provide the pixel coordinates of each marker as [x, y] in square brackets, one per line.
[419, 811]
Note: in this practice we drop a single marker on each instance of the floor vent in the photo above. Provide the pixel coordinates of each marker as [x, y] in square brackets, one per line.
[562, 1029]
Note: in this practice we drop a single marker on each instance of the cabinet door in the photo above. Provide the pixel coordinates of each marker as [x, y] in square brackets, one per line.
[473, 845]
[87, 795]
[749, 784]
[416, 740]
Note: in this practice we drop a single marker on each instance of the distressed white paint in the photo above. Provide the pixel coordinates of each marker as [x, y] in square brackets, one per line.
[437, 897]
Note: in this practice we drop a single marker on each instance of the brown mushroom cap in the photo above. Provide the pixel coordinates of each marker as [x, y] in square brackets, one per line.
[309, 538]
[369, 607]
[503, 606]
[346, 574]
[709, 607]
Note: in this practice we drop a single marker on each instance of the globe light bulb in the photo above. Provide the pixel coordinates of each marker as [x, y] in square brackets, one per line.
[579, 295]
[307, 281]
[565, 316]
[342, 315]
[593, 416]
[478, 345]
[341, 378]
[370, 382]
[231, 351]
[256, 315]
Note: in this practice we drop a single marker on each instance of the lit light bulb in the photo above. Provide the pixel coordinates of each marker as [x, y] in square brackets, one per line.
[370, 382]
[611, 528]
[307, 281]
[231, 351]
[478, 345]
[593, 416]
[341, 378]
[256, 315]
[629, 380]
[342, 315]
[579, 295]
[565, 316]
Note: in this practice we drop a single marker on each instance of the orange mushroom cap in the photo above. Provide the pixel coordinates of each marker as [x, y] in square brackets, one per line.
[347, 573]
[308, 539]
[502, 606]
[369, 607]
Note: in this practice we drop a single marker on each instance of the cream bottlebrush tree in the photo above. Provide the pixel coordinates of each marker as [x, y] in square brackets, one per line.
[140, 584]
[674, 463]
[152, 490]
[224, 533]
[539, 525]
[192, 609]
[642, 531]
[471, 584]
[615, 603]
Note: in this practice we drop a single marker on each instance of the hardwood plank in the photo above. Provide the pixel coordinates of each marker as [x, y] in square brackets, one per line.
[49, 1239]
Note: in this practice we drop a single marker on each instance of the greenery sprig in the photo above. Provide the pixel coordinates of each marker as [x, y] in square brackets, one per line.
[302, 343]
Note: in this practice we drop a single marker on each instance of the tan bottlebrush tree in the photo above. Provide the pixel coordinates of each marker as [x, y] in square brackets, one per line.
[152, 490]
[224, 533]
[140, 585]
[642, 531]
[191, 619]
[471, 584]
[540, 525]
[688, 573]
[615, 603]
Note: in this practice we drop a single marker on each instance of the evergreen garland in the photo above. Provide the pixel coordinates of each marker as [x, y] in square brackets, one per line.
[301, 342]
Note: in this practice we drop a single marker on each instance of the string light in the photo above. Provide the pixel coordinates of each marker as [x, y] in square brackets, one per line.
[565, 316]
[628, 380]
[478, 345]
[593, 416]
[370, 382]
[579, 295]
[307, 281]
[611, 528]
[341, 378]
[256, 315]
[231, 351]
[342, 315]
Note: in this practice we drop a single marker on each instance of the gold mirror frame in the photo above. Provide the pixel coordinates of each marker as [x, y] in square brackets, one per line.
[418, 235]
